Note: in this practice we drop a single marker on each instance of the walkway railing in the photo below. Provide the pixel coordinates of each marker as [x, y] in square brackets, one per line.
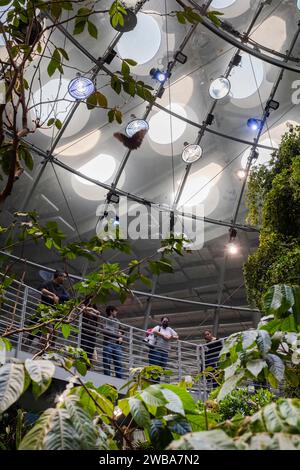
[18, 308]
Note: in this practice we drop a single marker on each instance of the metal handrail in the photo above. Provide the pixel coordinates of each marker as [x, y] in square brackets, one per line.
[18, 306]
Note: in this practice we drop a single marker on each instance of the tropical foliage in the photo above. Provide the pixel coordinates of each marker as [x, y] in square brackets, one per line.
[273, 200]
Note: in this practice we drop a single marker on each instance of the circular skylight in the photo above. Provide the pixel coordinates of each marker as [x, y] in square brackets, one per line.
[160, 125]
[99, 168]
[143, 42]
[247, 77]
[222, 3]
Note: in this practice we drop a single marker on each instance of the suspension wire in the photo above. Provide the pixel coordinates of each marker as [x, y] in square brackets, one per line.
[170, 100]
[260, 100]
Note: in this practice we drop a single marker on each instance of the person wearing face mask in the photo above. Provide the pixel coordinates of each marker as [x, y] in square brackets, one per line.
[158, 355]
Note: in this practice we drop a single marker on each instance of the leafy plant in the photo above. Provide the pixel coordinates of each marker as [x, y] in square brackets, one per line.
[241, 402]
[274, 427]
[273, 201]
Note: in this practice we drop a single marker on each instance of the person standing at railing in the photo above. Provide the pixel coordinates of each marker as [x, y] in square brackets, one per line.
[90, 316]
[112, 343]
[53, 292]
[212, 348]
[159, 352]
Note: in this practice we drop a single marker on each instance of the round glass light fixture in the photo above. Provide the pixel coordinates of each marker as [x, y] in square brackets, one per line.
[219, 88]
[191, 153]
[81, 88]
[135, 126]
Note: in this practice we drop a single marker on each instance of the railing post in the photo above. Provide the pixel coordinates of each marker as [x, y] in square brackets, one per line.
[79, 330]
[199, 364]
[130, 347]
[22, 320]
[205, 394]
[179, 360]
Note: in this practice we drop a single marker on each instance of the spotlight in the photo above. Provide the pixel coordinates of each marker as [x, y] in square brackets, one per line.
[191, 153]
[135, 126]
[81, 88]
[180, 57]
[232, 248]
[219, 88]
[210, 119]
[159, 75]
[241, 174]
[116, 221]
[232, 234]
[272, 104]
[110, 56]
[254, 123]
[113, 198]
[237, 60]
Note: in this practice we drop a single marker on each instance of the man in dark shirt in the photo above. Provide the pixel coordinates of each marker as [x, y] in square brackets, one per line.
[53, 292]
[212, 349]
[112, 343]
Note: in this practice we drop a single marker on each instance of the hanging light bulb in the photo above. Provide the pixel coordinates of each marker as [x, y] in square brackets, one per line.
[135, 126]
[81, 88]
[191, 153]
[219, 88]
[232, 248]
[241, 174]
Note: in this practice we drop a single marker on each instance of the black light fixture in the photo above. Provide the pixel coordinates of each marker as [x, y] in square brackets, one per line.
[180, 57]
[110, 57]
[112, 197]
[236, 60]
[272, 104]
[210, 119]
[232, 246]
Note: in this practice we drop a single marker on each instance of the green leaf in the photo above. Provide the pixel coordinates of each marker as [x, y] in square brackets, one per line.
[12, 377]
[83, 425]
[111, 115]
[278, 300]
[145, 280]
[50, 122]
[256, 366]
[58, 124]
[80, 366]
[249, 337]
[92, 101]
[139, 413]
[118, 116]
[174, 403]
[25, 155]
[66, 330]
[264, 342]
[125, 69]
[101, 100]
[4, 2]
[153, 396]
[276, 366]
[130, 62]
[159, 434]
[92, 29]
[53, 431]
[230, 384]
[206, 440]
[179, 426]
[185, 397]
[63, 53]
[41, 373]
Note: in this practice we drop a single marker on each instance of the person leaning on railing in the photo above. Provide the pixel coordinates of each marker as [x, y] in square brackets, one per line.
[212, 350]
[52, 293]
[112, 343]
